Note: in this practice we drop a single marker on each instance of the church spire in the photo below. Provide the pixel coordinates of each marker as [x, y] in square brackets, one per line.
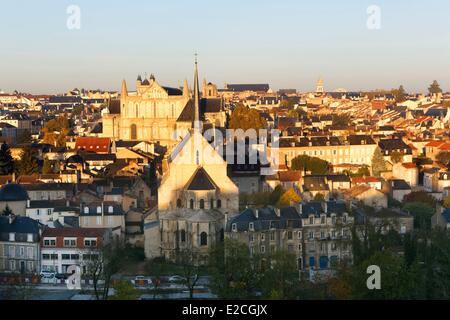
[196, 97]
[124, 91]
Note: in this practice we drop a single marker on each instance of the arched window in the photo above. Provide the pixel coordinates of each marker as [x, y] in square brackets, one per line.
[219, 203]
[99, 209]
[110, 209]
[197, 157]
[202, 204]
[183, 235]
[137, 111]
[133, 135]
[203, 239]
[86, 210]
[191, 204]
[211, 203]
[222, 235]
[179, 205]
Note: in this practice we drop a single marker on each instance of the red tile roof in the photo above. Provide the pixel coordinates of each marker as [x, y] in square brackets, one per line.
[359, 180]
[93, 144]
[409, 165]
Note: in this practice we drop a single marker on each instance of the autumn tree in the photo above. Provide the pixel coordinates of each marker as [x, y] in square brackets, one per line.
[245, 118]
[307, 163]
[6, 160]
[378, 162]
[55, 131]
[288, 198]
[28, 164]
[399, 94]
[396, 156]
[443, 157]
[24, 137]
[341, 120]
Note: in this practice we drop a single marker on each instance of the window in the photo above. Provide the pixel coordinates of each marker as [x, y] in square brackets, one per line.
[263, 249]
[322, 219]
[21, 251]
[263, 237]
[49, 212]
[311, 235]
[311, 220]
[333, 234]
[203, 239]
[333, 219]
[99, 220]
[50, 242]
[90, 242]
[30, 265]
[12, 265]
[300, 247]
[179, 204]
[133, 129]
[299, 235]
[30, 253]
[99, 209]
[289, 235]
[183, 235]
[202, 204]
[70, 242]
[344, 218]
[12, 251]
[110, 220]
[211, 203]
[38, 212]
[251, 226]
[234, 227]
[110, 209]
[29, 237]
[219, 203]
[191, 203]
[272, 236]
[251, 238]
[322, 234]
[86, 210]
[12, 236]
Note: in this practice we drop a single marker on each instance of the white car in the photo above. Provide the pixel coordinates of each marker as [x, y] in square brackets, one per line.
[47, 274]
[177, 279]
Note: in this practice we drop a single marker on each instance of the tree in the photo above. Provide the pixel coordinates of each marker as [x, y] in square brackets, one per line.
[312, 164]
[189, 262]
[396, 156]
[124, 290]
[6, 160]
[341, 120]
[27, 165]
[245, 118]
[399, 94]
[103, 265]
[378, 163]
[319, 197]
[233, 270]
[7, 211]
[420, 196]
[422, 213]
[288, 197]
[156, 268]
[55, 131]
[434, 88]
[280, 277]
[447, 202]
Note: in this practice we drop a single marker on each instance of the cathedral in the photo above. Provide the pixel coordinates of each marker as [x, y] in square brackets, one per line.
[155, 113]
[196, 197]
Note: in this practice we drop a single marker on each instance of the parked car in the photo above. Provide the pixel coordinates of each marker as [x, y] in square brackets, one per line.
[177, 279]
[61, 276]
[141, 281]
[47, 274]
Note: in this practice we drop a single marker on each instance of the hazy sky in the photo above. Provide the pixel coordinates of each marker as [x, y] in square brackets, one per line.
[287, 44]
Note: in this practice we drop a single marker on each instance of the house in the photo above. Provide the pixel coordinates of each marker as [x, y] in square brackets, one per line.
[13, 197]
[407, 171]
[367, 195]
[386, 220]
[19, 245]
[372, 182]
[398, 189]
[50, 211]
[93, 144]
[103, 215]
[64, 247]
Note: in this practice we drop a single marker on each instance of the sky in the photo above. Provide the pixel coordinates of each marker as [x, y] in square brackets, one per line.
[286, 43]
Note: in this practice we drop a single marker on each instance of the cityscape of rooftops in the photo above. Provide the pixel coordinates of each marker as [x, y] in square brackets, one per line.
[211, 159]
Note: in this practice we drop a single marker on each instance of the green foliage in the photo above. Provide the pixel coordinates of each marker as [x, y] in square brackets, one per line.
[422, 213]
[262, 199]
[399, 94]
[7, 211]
[124, 290]
[378, 163]
[420, 196]
[396, 156]
[245, 118]
[6, 160]
[313, 164]
[319, 197]
[28, 164]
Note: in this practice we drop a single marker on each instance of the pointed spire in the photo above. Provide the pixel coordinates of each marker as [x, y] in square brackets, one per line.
[186, 89]
[124, 91]
[196, 97]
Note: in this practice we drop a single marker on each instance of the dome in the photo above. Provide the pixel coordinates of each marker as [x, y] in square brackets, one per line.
[13, 192]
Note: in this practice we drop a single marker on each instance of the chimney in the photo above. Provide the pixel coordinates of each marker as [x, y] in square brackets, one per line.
[28, 203]
[257, 213]
[11, 218]
[300, 208]
[325, 206]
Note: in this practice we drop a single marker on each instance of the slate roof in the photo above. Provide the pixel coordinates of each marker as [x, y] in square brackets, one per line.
[20, 225]
[201, 181]
[13, 192]
[247, 87]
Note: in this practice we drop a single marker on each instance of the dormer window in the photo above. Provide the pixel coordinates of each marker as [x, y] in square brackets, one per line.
[110, 209]
[99, 209]
[251, 226]
[234, 227]
[344, 218]
[322, 219]
[86, 210]
[333, 219]
[311, 220]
